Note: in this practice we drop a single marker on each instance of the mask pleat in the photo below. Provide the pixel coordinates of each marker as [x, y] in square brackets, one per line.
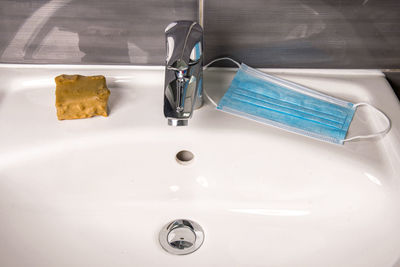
[289, 108]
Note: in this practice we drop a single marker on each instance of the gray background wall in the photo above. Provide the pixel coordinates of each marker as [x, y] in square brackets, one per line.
[88, 31]
[262, 33]
[305, 33]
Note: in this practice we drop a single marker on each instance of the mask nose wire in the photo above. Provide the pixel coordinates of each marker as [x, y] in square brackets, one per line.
[206, 67]
[380, 133]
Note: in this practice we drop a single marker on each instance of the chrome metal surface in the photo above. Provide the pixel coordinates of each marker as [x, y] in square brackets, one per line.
[174, 122]
[181, 237]
[183, 71]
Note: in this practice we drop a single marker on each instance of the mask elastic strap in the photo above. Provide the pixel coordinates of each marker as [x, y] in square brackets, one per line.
[212, 62]
[383, 132]
[219, 59]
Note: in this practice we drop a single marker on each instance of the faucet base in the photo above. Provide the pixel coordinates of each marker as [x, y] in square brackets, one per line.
[175, 122]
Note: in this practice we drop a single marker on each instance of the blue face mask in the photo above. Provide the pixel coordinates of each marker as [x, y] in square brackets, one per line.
[281, 103]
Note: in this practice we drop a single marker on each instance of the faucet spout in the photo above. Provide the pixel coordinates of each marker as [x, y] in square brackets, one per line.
[183, 90]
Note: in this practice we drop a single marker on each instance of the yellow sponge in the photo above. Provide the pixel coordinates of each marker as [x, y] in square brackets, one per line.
[80, 96]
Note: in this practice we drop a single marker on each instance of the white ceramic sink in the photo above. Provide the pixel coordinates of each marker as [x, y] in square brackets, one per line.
[96, 192]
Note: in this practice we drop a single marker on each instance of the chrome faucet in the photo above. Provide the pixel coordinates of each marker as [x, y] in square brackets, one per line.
[183, 90]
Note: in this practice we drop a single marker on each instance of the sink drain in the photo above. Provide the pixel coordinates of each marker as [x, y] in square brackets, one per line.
[181, 237]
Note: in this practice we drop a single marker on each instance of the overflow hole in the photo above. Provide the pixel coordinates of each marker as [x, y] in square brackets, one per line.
[184, 157]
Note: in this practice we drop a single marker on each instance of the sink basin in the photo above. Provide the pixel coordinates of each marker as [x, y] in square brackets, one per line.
[96, 192]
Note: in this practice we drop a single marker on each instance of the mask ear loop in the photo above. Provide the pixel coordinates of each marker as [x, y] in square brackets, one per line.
[206, 67]
[383, 132]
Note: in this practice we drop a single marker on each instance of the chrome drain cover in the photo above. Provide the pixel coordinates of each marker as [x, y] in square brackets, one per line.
[181, 237]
